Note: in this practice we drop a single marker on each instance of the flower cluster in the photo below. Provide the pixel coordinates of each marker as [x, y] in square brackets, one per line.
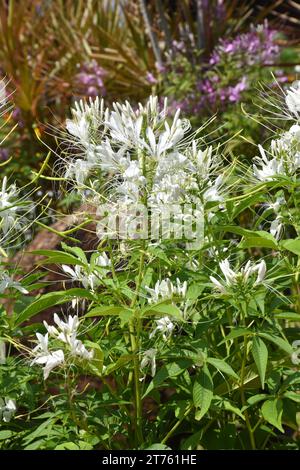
[284, 160]
[228, 72]
[63, 334]
[7, 409]
[6, 282]
[89, 80]
[165, 289]
[258, 46]
[239, 279]
[145, 155]
[14, 211]
[89, 276]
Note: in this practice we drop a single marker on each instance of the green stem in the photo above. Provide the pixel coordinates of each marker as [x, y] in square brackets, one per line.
[243, 398]
[134, 330]
[176, 425]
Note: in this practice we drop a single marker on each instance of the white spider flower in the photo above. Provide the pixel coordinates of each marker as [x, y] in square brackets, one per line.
[295, 357]
[233, 278]
[292, 98]
[213, 192]
[65, 330]
[164, 326]
[90, 279]
[276, 227]
[269, 169]
[202, 160]
[78, 348]
[79, 170]
[87, 117]
[149, 358]
[9, 207]
[6, 282]
[44, 356]
[50, 361]
[2, 352]
[165, 289]
[7, 409]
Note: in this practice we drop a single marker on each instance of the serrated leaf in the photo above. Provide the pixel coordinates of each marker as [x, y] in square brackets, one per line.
[260, 356]
[202, 392]
[272, 412]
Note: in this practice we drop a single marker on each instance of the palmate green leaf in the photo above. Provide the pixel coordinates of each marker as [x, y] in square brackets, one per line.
[280, 342]
[202, 392]
[272, 412]
[121, 362]
[260, 355]
[222, 366]
[49, 300]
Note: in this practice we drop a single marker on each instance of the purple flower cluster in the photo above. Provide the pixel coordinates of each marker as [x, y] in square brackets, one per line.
[230, 70]
[210, 90]
[90, 79]
[4, 154]
[256, 47]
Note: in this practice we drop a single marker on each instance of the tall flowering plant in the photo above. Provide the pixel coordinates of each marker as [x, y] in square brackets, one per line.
[179, 328]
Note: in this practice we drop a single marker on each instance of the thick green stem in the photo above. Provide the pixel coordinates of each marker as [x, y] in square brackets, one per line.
[242, 391]
[134, 330]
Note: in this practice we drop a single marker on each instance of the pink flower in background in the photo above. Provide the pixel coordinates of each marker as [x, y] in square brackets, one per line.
[90, 79]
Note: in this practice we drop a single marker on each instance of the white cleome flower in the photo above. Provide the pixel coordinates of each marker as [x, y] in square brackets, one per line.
[6, 282]
[266, 170]
[164, 326]
[89, 278]
[2, 352]
[296, 354]
[64, 330]
[9, 207]
[78, 349]
[233, 278]
[292, 98]
[7, 409]
[165, 289]
[50, 360]
[149, 358]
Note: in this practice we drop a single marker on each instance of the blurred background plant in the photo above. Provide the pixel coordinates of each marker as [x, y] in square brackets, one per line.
[202, 54]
